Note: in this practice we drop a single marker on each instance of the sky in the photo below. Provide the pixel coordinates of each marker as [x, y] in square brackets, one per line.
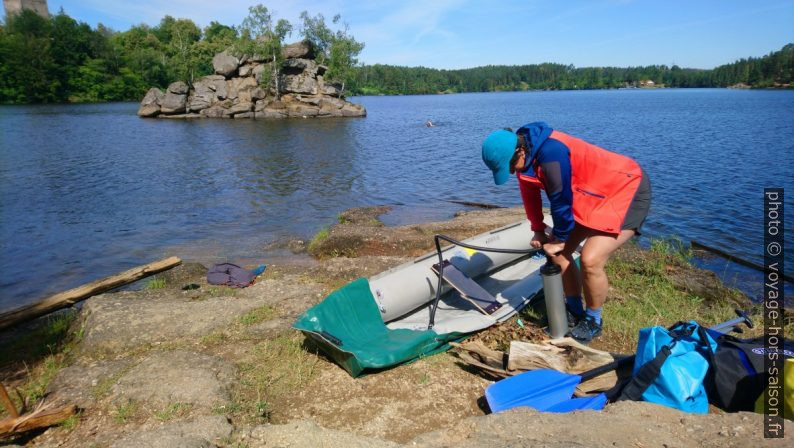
[450, 34]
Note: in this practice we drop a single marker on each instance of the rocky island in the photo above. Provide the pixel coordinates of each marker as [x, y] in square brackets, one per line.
[239, 88]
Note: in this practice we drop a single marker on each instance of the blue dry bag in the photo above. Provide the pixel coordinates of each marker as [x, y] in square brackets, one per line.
[670, 367]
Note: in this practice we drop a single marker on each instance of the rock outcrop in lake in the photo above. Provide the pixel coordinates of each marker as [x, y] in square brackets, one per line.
[236, 90]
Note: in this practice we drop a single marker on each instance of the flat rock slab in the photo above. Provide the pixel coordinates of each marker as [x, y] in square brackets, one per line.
[178, 376]
[307, 434]
[83, 383]
[121, 321]
[626, 423]
[200, 433]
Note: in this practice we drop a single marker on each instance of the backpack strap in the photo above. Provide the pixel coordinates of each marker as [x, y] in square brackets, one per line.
[645, 377]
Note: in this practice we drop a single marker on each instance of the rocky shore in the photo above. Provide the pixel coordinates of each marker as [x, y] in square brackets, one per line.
[215, 366]
[239, 88]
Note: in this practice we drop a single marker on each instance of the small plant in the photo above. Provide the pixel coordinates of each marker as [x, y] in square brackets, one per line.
[321, 236]
[344, 219]
[71, 423]
[673, 247]
[214, 338]
[125, 411]
[172, 410]
[35, 389]
[262, 409]
[156, 283]
[257, 315]
[230, 407]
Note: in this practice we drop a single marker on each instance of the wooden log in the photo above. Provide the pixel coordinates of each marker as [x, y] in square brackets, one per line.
[72, 296]
[38, 419]
[737, 260]
[7, 403]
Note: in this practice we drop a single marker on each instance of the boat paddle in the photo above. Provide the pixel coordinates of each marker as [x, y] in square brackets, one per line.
[550, 390]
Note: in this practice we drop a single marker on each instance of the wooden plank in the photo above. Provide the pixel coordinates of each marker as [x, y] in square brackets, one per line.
[72, 296]
[38, 419]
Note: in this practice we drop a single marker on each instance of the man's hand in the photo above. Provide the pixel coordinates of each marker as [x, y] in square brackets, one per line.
[539, 239]
[553, 248]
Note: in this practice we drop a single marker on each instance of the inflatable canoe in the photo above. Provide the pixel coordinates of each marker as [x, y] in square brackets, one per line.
[383, 321]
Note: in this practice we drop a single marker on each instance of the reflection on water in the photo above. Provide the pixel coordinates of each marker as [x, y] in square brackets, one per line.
[90, 190]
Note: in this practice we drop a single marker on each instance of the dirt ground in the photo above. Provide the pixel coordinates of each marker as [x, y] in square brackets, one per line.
[255, 382]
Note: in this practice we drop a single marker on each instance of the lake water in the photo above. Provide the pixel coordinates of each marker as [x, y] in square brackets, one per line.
[90, 190]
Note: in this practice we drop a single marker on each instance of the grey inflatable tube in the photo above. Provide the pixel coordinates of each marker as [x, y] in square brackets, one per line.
[404, 288]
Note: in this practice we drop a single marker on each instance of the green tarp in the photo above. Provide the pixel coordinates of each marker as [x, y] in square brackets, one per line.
[348, 327]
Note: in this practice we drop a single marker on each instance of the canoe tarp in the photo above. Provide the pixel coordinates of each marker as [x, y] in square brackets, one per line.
[348, 327]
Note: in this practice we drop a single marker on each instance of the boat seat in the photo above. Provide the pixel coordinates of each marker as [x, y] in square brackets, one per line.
[468, 288]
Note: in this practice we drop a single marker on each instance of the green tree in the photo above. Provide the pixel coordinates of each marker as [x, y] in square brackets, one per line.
[338, 50]
[260, 37]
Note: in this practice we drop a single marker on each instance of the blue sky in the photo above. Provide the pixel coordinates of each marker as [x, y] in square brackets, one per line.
[470, 33]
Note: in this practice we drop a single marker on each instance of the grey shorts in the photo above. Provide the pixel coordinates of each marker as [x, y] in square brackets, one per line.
[640, 206]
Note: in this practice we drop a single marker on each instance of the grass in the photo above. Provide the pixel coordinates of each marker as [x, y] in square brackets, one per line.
[214, 338]
[155, 283]
[71, 422]
[42, 352]
[45, 339]
[642, 294]
[173, 410]
[319, 237]
[277, 368]
[257, 315]
[125, 411]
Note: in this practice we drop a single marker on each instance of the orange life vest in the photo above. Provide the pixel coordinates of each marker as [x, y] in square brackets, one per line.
[603, 183]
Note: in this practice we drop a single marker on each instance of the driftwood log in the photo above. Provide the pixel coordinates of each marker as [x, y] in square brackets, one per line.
[7, 403]
[564, 355]
[72, 296]
[43, 417]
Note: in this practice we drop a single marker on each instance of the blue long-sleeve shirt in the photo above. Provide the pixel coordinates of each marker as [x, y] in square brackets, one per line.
[554, 159]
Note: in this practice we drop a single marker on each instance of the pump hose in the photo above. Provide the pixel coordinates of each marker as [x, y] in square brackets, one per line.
[437, 239]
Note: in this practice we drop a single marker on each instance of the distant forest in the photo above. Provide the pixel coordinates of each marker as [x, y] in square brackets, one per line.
[62, 60]
[773, 70]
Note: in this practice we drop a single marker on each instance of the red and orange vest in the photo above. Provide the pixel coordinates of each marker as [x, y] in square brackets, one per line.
[603, 184]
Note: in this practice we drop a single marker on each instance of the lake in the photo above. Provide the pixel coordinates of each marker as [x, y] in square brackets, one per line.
[91, 190]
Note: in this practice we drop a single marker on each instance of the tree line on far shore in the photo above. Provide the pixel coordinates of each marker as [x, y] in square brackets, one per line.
[773, 70]
[62, 60]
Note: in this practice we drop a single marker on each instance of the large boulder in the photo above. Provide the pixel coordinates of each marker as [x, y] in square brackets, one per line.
[203, 94]
[240, 88]
[240, 107]
[260, 71]
[353, 110]
[179, 88]
[300, 67]
[302, 49]
[302, 110]
[332, 89]
[173, 103]
[150, 105]
[215, 111]
[225, 64]
[245, 70]
[297, 84]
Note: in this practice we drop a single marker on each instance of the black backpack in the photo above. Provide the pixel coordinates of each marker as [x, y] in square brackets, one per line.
[737, 377]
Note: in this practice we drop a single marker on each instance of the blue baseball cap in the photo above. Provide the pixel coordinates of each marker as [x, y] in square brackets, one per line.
[497, 150]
